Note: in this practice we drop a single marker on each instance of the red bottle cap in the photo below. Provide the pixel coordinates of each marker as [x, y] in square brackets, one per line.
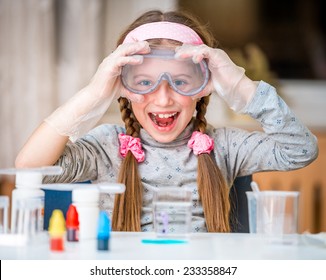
[72, 217]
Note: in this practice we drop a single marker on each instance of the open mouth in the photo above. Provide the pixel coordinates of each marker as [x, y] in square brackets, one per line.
[164, 120]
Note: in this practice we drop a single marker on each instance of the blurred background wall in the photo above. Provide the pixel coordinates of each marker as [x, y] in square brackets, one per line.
[49, 49]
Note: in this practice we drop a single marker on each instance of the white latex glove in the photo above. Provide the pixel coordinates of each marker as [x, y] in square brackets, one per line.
[81, 113]
[227, 79]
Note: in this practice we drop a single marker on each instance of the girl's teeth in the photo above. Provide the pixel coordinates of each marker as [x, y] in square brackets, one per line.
[164, 116]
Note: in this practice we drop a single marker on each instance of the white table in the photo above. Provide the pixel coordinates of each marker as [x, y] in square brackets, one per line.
[129, 246]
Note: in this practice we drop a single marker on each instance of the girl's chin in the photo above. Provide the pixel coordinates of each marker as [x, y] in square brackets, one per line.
[164, 138]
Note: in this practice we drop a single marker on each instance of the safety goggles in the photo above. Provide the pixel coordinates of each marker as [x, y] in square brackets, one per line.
[183, 75]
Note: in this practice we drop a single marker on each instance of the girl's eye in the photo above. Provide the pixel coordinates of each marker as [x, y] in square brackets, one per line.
[179, 83]
[145, 83]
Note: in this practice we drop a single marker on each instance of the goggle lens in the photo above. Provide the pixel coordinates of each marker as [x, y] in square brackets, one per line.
[184, 76]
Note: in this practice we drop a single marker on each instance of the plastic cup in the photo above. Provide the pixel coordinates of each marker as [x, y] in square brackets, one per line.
[4, 205]
[274, 214]
[172, 212]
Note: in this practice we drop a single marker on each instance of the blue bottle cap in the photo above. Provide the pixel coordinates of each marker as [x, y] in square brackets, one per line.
[104, 227]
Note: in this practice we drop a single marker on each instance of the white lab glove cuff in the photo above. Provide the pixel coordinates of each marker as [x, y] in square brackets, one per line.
[246, 89]
[240, 94]
[79, 114]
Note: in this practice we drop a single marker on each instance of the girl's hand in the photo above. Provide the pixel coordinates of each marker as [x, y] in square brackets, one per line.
[227, 79]
[106, 81]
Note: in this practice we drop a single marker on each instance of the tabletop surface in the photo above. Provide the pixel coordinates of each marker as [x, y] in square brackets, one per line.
[199, 246]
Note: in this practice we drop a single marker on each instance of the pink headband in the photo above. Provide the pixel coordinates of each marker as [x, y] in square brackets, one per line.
[164, 30]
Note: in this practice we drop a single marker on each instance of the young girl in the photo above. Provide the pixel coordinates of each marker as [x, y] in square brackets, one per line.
[164, 69]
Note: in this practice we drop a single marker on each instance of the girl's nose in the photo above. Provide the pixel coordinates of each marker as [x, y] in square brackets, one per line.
[163, 94]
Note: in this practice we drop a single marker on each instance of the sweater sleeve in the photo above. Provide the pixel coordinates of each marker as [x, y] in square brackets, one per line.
[90, 158]
[285, 143]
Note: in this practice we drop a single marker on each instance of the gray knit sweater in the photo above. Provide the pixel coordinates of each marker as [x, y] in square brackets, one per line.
[285, 144]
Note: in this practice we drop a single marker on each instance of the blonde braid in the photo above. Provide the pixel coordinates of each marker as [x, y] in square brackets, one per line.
[212, 188]
[127, 206]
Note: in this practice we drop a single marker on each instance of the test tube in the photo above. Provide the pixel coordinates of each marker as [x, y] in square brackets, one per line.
[4, 205]
[28, 217]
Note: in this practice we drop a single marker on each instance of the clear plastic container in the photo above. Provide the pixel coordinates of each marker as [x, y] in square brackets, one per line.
[172, 212]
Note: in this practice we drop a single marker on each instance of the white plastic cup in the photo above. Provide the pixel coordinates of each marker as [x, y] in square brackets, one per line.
[172, 212]
[4, 205]
[274, 214]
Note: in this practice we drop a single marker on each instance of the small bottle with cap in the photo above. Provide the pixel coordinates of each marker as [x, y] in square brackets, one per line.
[103, 232]
[72, 224]
[57, 230]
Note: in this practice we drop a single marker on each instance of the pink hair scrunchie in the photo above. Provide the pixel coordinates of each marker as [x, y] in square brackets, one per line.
[200, 143]
[129, 143]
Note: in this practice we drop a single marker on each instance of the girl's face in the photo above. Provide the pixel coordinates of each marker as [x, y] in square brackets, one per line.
[164, 114]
